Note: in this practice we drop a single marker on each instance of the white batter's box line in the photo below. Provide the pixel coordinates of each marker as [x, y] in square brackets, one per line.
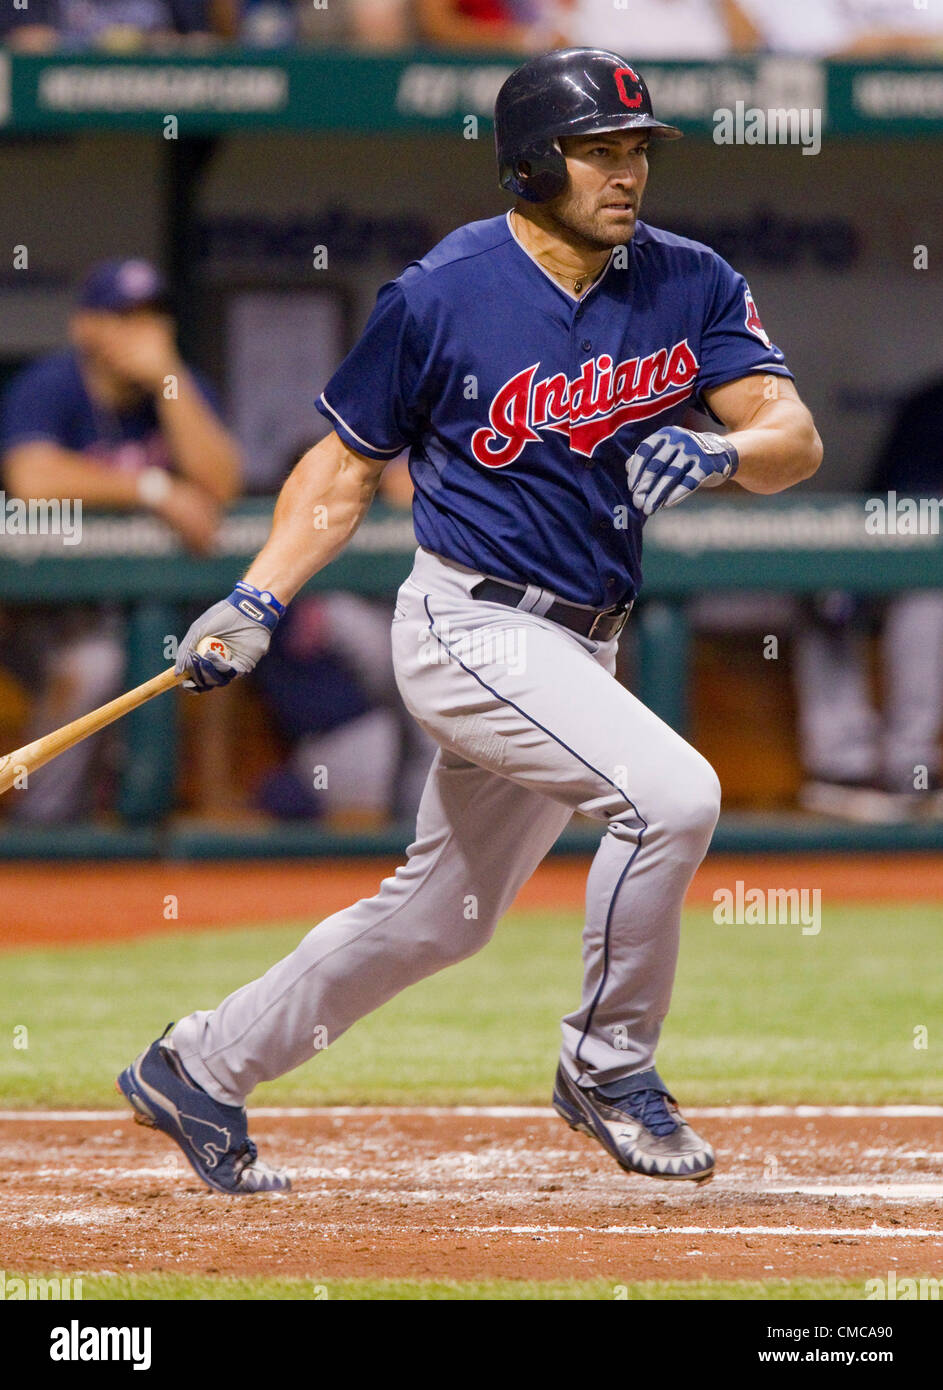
[508, 1112]
[861, 1232]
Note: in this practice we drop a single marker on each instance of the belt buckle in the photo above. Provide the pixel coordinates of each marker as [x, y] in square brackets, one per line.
[609, 613]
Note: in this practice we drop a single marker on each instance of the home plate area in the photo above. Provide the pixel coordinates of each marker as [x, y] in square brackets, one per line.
[479, 1192]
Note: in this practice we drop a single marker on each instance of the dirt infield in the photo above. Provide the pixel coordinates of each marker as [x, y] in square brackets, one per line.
[480, 1193]
[63, 904]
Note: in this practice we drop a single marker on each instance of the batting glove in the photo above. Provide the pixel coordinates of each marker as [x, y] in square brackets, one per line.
[668, 466]
[245, 621]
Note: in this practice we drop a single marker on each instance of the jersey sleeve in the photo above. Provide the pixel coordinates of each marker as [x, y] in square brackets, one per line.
[209, 393]
[376, 400]
[734, 343]
[32, 409]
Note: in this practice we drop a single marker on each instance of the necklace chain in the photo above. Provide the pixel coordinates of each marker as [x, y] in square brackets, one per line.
[579, 281]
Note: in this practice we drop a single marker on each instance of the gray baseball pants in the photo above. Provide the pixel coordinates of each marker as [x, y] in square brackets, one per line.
[531, 726]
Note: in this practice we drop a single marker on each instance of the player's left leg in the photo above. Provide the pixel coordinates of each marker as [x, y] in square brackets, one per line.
[542, 709]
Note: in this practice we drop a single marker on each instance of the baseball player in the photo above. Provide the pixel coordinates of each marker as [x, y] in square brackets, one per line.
[536, 366]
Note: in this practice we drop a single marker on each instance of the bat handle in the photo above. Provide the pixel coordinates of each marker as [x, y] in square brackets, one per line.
[207, 646]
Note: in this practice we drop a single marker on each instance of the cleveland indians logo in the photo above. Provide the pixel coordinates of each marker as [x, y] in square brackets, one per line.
[619, 76]
[752, 320]
[588, 410]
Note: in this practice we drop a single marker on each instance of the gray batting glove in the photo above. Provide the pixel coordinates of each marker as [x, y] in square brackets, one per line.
[670, 464]
[245, 621]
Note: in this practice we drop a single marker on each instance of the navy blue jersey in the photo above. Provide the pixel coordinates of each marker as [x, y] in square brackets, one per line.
[48, 400]
[520, 405]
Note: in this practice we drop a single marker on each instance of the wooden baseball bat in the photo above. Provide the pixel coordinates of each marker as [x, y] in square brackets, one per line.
[35, 755]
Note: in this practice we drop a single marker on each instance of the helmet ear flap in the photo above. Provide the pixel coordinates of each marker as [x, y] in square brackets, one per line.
[537, 174]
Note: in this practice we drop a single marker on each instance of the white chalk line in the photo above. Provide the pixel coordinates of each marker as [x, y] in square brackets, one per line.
[509, 1112]
[840, 1232]
[726, 1185]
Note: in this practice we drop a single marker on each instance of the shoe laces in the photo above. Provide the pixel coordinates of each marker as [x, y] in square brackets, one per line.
[244, 1157]
[651, 1109]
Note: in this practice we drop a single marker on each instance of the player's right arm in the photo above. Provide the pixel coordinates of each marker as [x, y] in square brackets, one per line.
[319, 508]
[376, 402]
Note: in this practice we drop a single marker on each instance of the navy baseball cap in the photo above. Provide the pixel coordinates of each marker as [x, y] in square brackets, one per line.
[117, 287]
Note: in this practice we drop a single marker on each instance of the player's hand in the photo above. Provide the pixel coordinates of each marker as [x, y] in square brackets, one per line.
[245, 621]
[193, 514]
[140, 348]
[668, 466]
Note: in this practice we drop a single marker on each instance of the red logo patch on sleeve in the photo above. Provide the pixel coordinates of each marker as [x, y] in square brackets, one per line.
[752, 320]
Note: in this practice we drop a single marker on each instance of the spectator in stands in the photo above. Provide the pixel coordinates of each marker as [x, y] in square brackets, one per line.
[865, 765]
[666, 29]
[119, 421]
[32, 30]
[512, 26]
[380, 23]
[848, 28]
[358, 758]
[117, 24]
[274, 23]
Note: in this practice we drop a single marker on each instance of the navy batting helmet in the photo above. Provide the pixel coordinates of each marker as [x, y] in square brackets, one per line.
[572, 91]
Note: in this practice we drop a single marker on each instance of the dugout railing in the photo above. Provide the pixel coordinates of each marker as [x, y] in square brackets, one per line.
[790, 544]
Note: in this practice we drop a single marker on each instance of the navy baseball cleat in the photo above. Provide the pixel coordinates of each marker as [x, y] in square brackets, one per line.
[644, 1130]
[214, 1137]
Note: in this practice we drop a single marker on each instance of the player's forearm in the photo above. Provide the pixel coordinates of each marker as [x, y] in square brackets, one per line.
[778, 448]
[201, 447]
[319, 508]
[48, 471]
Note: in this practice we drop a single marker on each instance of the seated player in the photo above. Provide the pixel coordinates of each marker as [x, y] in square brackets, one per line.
[869, 763]
[118, 421]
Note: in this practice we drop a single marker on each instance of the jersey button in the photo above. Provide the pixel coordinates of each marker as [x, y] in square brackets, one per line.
[586, 345]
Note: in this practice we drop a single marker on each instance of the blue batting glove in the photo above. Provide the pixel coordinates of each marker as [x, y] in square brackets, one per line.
[668, 466]
[245, 621]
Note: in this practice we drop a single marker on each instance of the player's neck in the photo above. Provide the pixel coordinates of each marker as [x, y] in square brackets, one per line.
[572, 266]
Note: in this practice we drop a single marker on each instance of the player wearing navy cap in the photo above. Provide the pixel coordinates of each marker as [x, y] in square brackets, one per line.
[538, 367]
[115, 420]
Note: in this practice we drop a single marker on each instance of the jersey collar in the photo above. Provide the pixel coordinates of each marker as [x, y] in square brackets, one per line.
[570, 298]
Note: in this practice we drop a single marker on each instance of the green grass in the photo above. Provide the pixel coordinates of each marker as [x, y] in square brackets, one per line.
[200, 1286]
[761, 1014]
